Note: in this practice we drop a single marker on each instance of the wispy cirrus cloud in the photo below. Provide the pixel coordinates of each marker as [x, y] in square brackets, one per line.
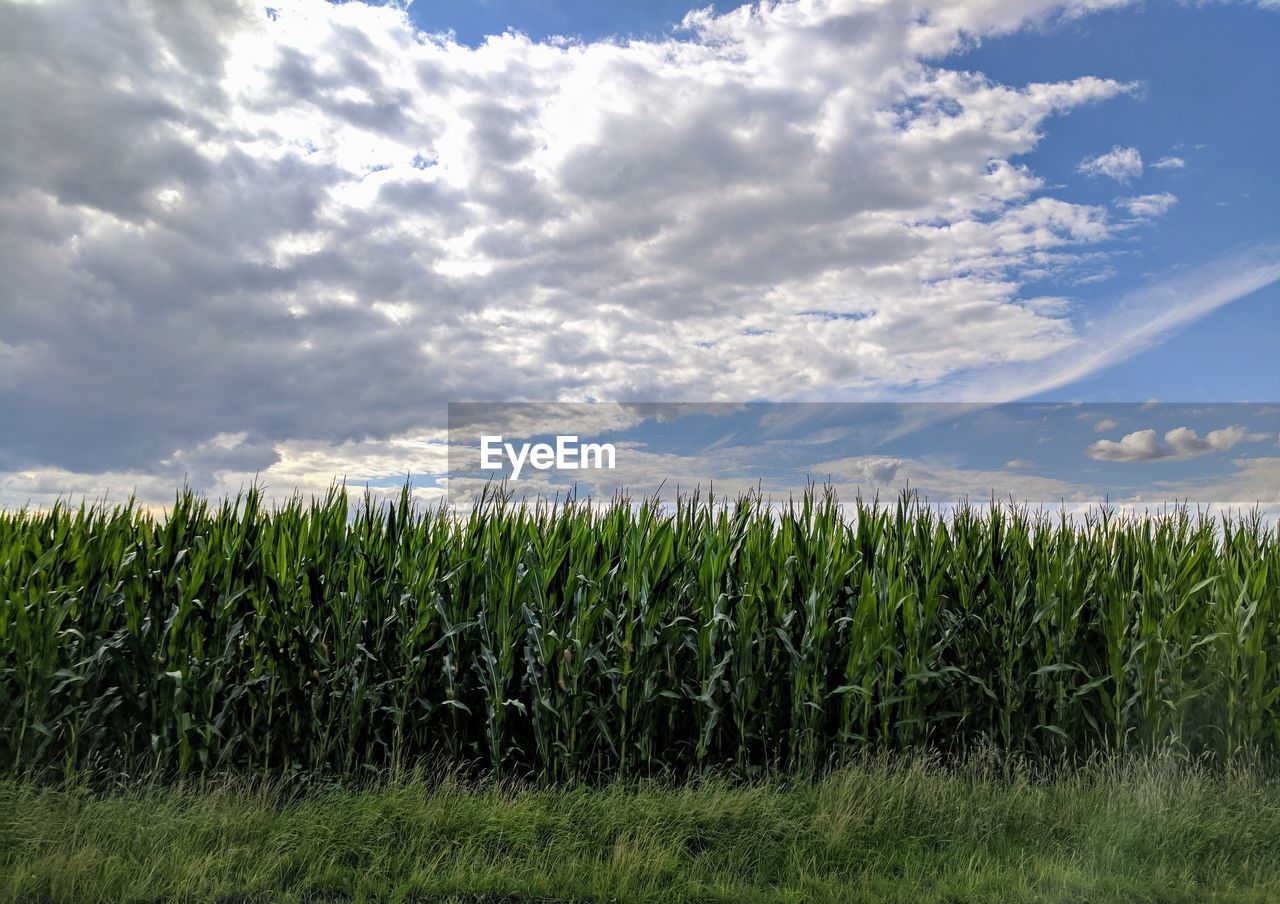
[1130, 325]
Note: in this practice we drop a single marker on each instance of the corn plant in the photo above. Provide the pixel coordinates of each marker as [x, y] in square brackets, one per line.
[577, 640]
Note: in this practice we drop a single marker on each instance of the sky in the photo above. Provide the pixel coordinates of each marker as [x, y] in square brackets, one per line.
[250, 241]
[1067, 457]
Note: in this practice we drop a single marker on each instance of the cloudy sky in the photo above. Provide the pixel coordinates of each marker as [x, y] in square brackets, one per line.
[276, 239]
[1054, 455]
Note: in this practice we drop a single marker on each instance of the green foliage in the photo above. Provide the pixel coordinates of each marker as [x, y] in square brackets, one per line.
[898, 829]
[564, 642]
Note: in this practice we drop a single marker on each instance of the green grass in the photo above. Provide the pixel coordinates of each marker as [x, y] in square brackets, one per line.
[569, 642]
[901, 831]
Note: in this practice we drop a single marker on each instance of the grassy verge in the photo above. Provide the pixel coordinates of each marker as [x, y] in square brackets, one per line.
[880, 832]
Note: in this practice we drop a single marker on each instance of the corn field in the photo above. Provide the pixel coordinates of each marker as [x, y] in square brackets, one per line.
[326, 637]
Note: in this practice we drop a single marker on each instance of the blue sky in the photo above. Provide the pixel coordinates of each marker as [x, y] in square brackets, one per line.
[472, 22]
[1209, 76]
[277, 240]
[1208, 97]
[1045, 454]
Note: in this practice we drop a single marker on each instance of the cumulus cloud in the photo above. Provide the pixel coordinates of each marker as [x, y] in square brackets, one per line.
[1148, 206]
[228, 235]
[1169, 162]
[1179, 443]
[1121, 164]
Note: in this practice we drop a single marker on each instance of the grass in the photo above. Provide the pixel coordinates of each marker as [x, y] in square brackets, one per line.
[903, 830]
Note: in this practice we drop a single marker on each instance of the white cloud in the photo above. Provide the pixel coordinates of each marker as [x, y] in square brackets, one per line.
[310, 231]
[1169, 162]
[1121, 164]
[228, 464]
[1142, 445]
[1147, 206]
[1133, 324]
[1107, 423]
[1179, 443]
[1254, 484]
[940, 483]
